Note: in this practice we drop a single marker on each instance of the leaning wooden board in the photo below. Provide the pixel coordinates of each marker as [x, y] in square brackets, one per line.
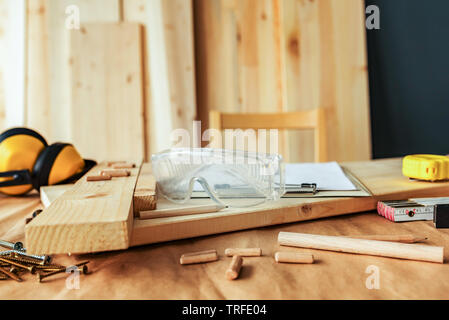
[107, 112]
[382, 177]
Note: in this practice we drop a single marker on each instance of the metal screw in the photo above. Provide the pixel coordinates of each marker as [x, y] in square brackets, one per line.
[41, 259]
[31, 269]
[10, 274]
[41, 276]
[36, 213]
[25, 260]
[82, 268]
[14, 246]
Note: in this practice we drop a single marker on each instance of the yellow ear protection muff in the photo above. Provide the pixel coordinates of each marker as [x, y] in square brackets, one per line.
[27, 162]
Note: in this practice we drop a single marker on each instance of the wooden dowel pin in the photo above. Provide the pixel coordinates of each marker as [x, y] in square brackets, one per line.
[405, 238]
[293, 257]
[199, 257]
[243, 252]
[115, 173]
[111, 163]
[361, 246]
[176, 212]
[99, 178]
[123, 166]
[233, 270]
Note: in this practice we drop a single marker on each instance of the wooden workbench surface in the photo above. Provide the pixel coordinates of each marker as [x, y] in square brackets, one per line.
[153, 271]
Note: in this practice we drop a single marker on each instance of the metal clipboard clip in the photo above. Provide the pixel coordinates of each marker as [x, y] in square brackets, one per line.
[307, 188]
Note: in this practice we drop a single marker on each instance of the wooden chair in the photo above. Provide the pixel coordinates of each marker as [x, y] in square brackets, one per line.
[312, 119]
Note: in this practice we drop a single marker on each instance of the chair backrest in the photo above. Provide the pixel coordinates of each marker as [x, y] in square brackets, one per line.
[311, 119]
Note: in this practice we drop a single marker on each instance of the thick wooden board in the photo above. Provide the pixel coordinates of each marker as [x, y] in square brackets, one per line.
[89, 217]
[382, 177]
[107, 91]
[144, 197]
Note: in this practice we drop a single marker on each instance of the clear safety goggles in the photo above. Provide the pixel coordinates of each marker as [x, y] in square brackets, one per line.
[230, 178]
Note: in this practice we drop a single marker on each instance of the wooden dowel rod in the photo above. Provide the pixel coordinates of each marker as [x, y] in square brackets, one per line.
[199, 257]
[233, 270]
[115, 173]
[405, 238]
[244, 252]
[174, 212]
[293, 257]
[362, 246]
[98, 178]
[124, 166]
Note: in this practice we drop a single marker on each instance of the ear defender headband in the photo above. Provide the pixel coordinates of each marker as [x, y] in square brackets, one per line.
[27, 162]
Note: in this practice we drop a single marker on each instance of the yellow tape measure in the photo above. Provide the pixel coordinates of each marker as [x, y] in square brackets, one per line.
[426, 167]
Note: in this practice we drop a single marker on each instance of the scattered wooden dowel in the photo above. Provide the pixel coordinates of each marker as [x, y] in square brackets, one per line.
[174, 212]
[123, 166]
[405, 238]
[293, 257]
[243, 252]
[233, 270]
[361, 246]
[115, 173]
[111, 163]
[99, 178]
[199, 257]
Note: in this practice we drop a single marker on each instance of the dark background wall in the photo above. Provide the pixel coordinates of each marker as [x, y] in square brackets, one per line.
[409, 77]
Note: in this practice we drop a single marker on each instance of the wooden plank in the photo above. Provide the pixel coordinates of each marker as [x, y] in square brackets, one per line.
[107, 97]
[37, 73]
[89, 217]
[144, 197]
[51, 193]
[291, 56]
[383, 178]
[145, 193]
[169, 67]
[58, 43]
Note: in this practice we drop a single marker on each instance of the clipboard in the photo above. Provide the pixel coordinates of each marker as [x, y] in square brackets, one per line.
[361, 190]
[309, 190]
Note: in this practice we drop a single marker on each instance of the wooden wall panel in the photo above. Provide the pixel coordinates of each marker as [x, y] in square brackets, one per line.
[2, 104]
[107, 91]
[58, 50]
[38, 109]
[48, 80]
[169, 66]
[291, 55]
[12, 63]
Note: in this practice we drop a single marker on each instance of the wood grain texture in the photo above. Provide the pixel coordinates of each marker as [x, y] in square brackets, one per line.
[145, 193]
[38, 108]
[107, 92]
[2, 103]
[89, 217]
[144, 197]
[383, 177]
[311, 119]
[288, 55]
[169, 67]
[58, 13]
[362, 246]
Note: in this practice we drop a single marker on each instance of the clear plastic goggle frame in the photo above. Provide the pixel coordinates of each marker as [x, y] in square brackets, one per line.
[231, 178]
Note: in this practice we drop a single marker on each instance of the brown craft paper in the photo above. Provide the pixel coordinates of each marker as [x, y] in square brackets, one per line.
[154, 272]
